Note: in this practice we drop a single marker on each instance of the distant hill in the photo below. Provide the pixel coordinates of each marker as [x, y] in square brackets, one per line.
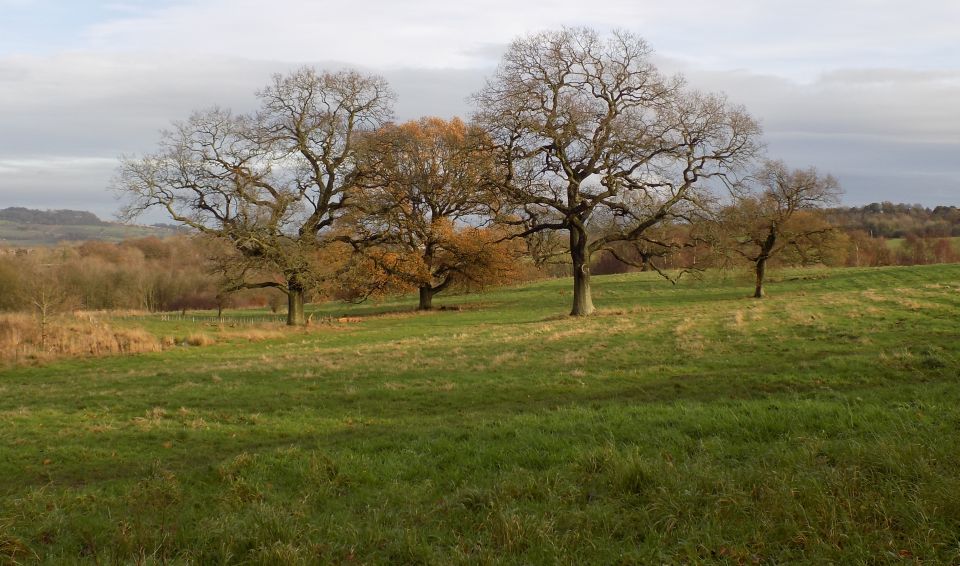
[25, 227]
[50, 217]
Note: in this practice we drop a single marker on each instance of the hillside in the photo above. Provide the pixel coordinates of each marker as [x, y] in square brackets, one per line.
[23, 227]
[683, 424]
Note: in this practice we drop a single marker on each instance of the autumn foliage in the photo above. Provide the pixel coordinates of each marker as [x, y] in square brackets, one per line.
[422, 212]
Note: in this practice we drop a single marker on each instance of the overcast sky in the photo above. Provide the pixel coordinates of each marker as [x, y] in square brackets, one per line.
[868, 90]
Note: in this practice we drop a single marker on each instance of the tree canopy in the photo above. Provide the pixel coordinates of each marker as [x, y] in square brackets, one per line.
[779, 215]
[270, 183]
[584, 123]
[422, 210]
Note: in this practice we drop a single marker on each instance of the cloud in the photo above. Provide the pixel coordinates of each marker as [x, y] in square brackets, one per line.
[68, 118]
[793, 39]
[887, 134]
[874, 103]
[58, 182]
[901, 104]
[883, 132]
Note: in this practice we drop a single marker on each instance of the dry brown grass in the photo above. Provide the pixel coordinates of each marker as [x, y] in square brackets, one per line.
[68, 336]
[688, 338]
[803, 317]
[254, 334]
[737, 323]
[502, 358]
[86, 334]
[904, 297]
[199, 339]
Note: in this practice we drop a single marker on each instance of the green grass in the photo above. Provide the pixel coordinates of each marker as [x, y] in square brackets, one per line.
[684, 424]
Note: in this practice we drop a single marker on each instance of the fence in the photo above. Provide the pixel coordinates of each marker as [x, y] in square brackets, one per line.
[209, 319]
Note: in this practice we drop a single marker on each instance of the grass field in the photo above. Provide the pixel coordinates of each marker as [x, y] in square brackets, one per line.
[684, 424]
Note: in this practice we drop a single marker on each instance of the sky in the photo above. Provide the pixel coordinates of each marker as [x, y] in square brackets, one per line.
[868, 90]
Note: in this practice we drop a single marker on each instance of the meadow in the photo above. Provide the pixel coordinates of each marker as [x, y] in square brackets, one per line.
[681, 424]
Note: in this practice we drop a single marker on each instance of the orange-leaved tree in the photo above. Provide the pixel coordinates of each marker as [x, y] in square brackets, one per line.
[421, 217]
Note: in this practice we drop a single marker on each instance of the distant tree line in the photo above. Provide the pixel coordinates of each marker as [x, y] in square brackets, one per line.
[147, 274]
[179, 273]
[889, 220]
[903, 235]
[50, 217]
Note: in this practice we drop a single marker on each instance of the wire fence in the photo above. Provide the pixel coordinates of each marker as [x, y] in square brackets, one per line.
[232, 319]
[242, 319]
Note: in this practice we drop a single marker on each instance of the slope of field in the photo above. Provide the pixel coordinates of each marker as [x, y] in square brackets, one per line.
[683, 424]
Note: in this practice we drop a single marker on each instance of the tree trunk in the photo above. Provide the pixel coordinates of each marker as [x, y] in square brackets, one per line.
[43, 329]
[295, 294]
[766, 250]
[645, 262]
[760, 269]
[426, 298]
[582, 301]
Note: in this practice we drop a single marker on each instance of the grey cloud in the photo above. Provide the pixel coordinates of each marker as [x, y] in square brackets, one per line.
[58, 183]
[61, 132]
[443, 93]
[486, 51]
[920, 106]
[79, 106]
[871, 170]
[888, 134]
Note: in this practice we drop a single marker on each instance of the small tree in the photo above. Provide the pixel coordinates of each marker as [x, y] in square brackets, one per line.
[44, 293]
[584, 124]
[422, 205]
[781, 215]
[269, 184]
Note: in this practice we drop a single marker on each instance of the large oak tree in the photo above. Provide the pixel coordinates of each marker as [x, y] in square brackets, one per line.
[422, 208]
[270, 184]
[584, 123]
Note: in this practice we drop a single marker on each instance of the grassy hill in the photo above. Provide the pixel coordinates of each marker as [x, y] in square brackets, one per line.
[683, 424]
[23, 227]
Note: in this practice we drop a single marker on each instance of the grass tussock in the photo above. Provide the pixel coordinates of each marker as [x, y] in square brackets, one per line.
[199, 339]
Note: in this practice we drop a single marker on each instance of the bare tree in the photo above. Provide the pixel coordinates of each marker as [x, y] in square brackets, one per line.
[583, 123]
[43, 291]
[269, 184]
[780, 216]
